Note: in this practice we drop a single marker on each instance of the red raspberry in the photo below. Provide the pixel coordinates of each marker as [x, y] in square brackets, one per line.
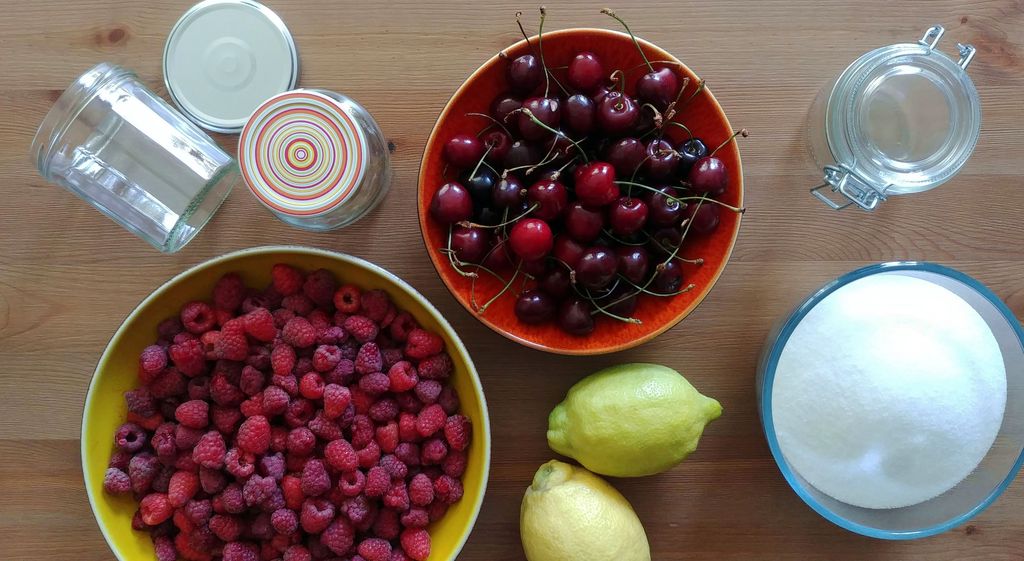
[282, 360]
[447, 489]
[163, 546]
[222, 316]
[151, 362]
[186, 551]
[304, 364]
[368, 456]
[421, 490]
[291, 488]
[259, 324]
[254, 435]
[387, 526]
[326, 358]
[397, 497]
[449, 400]
[299, 304]
[324, 428]
[287, 382]
[229, 292]
[374, 304]
[188, 357]
[258, 489]
[297, 553]
[339, 536]
[457, 431]
[361, 431]
[398, 555]
[408, 453]
[231, 345]
[319, 319]
[225, 419]
[351, 483]
[130, 437]
[320, 286]
[252, 381]
[430, 420]
[239, 464]
[155, 508]
[199, 512]
[193, 414]
[375, 549]
[401, 326]
[408, 402]
[140, 401]
[347, 299]
[299, 412]
[437, 510]
[281, 317]
[407, 428]
[226, 527]
[252, 406]
[119, 459]
[437, 367]
[343, 374]
[284, 521]
[316, 515]
[163, 479]
[375, 384]
[377, 482]
[387, 436]
[340, 455]
[223, 392]
[433, 452]
[183, 486]
[211, 480]
[361, 328]
[169, 327]
[415, 517]
[391, 356]
[361, 401]
[428, 390]
[286, 279]
[170, 383]
[116, 482]
[402, 376]
[395, 467]
[422, 344]
[336, 400]
[454, 464]
[164, 442]
[210, 451]
[198, 317]
[369, 360]
[199, 388]
[298, 332]
[278, 439]
[416, 543]
[275, 401]
[384, 410]
[311, 386]
[240, 551]
[315, 480]
[331, 335]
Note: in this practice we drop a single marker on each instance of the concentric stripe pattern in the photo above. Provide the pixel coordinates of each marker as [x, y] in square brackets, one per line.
[302, 154]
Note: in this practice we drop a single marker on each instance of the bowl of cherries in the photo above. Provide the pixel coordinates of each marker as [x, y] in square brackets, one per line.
[582, 191]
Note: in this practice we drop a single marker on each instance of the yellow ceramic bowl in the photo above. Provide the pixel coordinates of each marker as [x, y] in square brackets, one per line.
[105, 408]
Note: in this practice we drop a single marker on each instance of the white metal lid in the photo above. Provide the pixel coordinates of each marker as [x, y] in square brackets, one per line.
[224, 58]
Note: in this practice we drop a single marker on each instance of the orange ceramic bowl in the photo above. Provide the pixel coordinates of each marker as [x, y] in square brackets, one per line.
[704, 116]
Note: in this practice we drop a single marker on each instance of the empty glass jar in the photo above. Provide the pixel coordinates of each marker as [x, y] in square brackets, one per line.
[901, 119]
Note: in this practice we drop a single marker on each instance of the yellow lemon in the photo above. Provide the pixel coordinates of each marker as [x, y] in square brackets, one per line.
[570, 514]
[630, 420]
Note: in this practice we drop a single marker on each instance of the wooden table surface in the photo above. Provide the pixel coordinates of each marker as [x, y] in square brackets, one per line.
[68, 275]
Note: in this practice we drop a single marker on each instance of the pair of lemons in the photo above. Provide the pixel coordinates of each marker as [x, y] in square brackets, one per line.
[629, 420]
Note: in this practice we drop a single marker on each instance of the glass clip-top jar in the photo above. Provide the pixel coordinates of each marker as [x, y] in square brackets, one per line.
[901, 119]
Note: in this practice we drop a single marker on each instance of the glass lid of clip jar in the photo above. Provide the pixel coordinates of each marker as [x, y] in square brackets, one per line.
[901, 119]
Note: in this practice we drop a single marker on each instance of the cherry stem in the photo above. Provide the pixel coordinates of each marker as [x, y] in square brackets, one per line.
[615, 239]
[644, 290]
[682, 126]
[670, 111]
[741, 132]
[540, 47]
[701, 84]
[519, 22]
[614, 16]
[526, 111]
[633, 69]
[659, 120]
[455, 262]
[468, 224]
[503, 290]
[492, 119]
[619, 79]
[480, 163]
[739, 210]
[604, 311]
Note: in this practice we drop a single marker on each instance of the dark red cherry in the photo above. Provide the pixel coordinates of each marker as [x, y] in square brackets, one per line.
[617, 113]
[689, 152]
[556, 281]
[567, 250]
[463, 150]
[551, 198]
[499, 143]
[634, 263]
[658, 87]
[709, 176]
[521, 155]
[547, 110]
[661, 160]
[665, 240]
[601, 93]
[595, 184]
[470, 244]
[479, 184]
[498, 257]
[596, 268]
[502, 107]
[525, 74]
[580, 114]
[668, 277]
[558, 147]
[534, 307]
[531, 239]
[451, 203]
[663, 210]
[625, 155]
[574, 317]
[622, 301]
[705, 218]
[582, 223]
[534, 268]
[585, 72]
[627, 216]
[508, 192]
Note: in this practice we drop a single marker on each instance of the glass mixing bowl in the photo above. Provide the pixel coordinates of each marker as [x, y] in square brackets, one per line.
[979, 489]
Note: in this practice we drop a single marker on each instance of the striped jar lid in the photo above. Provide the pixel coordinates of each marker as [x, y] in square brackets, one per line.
[302, 154]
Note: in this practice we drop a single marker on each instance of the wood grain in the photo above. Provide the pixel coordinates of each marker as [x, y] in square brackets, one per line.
[68, 275]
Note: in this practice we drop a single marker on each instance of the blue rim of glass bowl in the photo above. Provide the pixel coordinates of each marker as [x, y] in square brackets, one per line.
[772, 361]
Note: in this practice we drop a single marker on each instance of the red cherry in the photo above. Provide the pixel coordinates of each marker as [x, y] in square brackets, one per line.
[658, 87]
[627, 216]
[470, 244]
[595, 184]
[547, 110]
[498, 257]
[709, 176]
[568, 250]
[531, 239]
[582, 223]
[617, 113]
[502, 107]
[451, 203]
[525, 73]
[625, 155]
[499, 142]
[662, 160]
[585, 72]
[463, 150]
[551, 196]
[705, 218]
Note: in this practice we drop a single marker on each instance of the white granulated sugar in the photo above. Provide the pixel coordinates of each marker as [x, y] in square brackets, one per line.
[889, 392]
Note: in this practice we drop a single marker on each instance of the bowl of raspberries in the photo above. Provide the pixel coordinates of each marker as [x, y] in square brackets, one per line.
[582, 191]
[285, 404]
